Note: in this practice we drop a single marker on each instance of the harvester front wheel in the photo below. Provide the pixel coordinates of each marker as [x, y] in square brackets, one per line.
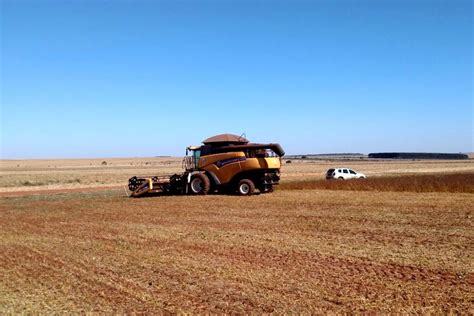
[199, 184]
[245, 187]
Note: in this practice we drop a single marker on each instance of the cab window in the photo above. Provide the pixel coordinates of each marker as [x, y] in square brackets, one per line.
[345, 171]
[352, 171]
[196, 156]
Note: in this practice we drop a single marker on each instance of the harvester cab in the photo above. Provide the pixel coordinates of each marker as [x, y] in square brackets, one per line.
[224, 163]
[191, 160]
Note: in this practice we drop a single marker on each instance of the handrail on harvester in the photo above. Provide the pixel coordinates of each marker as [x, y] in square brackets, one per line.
[189, 163]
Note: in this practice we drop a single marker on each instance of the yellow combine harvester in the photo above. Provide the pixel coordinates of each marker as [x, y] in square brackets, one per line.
[225, 163]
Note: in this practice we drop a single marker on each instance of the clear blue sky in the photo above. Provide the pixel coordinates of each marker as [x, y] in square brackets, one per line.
[146, 78]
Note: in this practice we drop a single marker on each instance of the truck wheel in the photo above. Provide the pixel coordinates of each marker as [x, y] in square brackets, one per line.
[199, 184]
[341, 178]
[245, 187]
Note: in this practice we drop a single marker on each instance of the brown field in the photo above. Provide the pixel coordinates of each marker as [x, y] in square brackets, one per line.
[377, 245]
[442, 182]
[32, 175]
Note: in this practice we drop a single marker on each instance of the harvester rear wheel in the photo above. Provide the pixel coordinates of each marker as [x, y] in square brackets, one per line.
[199, 184]
[245, 187]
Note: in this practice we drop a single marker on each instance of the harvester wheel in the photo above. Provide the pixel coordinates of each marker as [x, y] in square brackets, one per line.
[200, 184]
[245, 187]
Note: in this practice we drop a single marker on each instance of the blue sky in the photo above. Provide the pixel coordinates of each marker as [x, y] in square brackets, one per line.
[147, 78]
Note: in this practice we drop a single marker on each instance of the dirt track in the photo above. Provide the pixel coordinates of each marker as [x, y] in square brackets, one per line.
[56, 191]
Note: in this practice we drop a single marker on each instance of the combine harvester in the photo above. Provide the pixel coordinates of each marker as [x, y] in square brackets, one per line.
[225, 163]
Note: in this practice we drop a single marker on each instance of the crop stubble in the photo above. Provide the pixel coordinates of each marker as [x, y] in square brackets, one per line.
[290, 251]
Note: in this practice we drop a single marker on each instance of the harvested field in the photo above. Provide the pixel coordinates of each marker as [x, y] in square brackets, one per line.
[400, 241]
[291, 251]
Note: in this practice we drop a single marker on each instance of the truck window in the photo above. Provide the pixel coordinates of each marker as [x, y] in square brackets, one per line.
[352, 171]
[345, 171]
